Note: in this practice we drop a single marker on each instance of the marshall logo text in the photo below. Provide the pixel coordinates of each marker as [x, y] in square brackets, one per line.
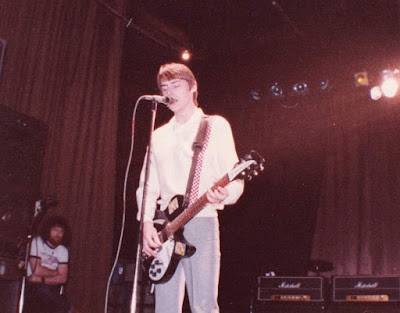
[289, 285]
[366, 285]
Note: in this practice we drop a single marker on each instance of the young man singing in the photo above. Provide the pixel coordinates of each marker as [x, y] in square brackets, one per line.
[170, 165]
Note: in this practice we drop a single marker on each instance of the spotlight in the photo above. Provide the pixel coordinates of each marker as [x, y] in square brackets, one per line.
[300, 88]
[389, 85]
[276, 90]
[255, 95]
[324, 84]
[186, 55]
[386, 74]
[375, 93]
[361, 79]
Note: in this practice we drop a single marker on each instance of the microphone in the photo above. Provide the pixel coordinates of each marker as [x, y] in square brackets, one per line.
[156, 98]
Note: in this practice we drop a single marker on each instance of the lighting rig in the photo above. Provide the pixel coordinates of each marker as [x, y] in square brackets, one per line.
[386, 86]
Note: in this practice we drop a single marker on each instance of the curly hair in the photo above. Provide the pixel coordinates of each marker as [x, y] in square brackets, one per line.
[54, 221]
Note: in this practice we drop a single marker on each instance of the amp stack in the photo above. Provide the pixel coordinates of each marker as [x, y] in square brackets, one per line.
[365, 294]
[276, 294]
[343, 294]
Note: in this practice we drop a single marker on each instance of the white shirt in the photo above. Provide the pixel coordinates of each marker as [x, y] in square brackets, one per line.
[49, 257]
[171, 160]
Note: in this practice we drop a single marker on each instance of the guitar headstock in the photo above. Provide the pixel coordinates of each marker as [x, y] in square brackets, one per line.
[250, 165]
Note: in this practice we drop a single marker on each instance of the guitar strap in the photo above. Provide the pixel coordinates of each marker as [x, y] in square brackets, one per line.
[199, 146]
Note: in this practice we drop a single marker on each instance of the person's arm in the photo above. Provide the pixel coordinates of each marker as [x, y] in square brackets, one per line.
[227, 158]
[47, 276]
[150, 237]
[224, 145]
[60, 278]
[153, 190]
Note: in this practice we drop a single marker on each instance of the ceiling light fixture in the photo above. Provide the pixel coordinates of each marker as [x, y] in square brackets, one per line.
[186, 55]
[390, 84]
[300, 88]
[361, 79]
[276, 91]
[375, 93]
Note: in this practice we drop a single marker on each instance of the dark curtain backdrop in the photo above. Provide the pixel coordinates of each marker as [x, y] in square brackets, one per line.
[358, 218]
[62, 66]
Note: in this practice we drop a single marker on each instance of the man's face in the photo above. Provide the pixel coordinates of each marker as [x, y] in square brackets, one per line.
[179, 92]
[56, 236]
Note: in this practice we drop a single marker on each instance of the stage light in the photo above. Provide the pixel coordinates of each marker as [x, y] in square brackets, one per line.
[300, 88]
[390, 84]
[276, 90]
[389, 87]
[186, 55]
[255, 95]
[387, 74]
[324, 84]
[361, 79]
[375, 93]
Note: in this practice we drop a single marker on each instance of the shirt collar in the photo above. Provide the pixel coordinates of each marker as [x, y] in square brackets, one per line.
[191, 122]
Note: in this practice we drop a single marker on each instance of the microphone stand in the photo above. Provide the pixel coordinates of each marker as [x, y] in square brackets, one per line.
[38, 214]
[138, 263]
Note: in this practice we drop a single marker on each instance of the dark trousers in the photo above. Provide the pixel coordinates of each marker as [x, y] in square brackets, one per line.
[41, 298]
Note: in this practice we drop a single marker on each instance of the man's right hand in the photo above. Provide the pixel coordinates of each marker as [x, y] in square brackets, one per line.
[151, 242]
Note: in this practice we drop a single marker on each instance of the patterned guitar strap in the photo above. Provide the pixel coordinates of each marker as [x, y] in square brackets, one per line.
[199, 147]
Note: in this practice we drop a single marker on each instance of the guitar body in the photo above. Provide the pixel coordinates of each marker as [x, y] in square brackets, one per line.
[161, 268]
[170, 222]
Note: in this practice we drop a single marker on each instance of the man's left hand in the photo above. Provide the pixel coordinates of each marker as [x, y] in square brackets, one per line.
[217, 195]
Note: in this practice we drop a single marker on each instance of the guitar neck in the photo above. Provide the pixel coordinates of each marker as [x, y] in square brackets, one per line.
[195, 208]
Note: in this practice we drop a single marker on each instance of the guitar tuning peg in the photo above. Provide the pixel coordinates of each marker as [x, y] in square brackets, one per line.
[255, 173]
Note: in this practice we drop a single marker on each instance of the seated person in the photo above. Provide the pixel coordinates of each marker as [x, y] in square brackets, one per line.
[48, 269]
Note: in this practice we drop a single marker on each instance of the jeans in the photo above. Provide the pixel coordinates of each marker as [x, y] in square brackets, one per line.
[41, 298]
[200, 272]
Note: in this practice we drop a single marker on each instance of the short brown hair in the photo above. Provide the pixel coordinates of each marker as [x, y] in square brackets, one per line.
[171, 71]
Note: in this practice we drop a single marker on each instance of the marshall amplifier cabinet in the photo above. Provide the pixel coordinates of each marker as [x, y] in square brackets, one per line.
[300, 289]
[365, 289]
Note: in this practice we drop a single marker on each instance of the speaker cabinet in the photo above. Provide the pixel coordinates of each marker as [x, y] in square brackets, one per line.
[121, 290]
[9, 295]
[22, 141]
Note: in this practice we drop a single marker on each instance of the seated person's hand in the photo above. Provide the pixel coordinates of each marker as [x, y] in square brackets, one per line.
[35, 278]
